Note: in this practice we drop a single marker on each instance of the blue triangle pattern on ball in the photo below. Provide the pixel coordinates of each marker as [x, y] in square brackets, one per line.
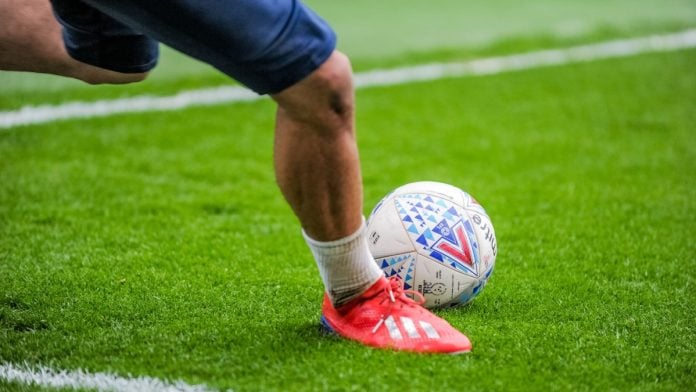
[394, 262]
[437, 256]
[422, 240]
[453, 211]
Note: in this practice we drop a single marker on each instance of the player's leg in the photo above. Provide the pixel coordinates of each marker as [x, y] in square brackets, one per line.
[318, 171]
[283, 49]
[316, 157]
[31, 41]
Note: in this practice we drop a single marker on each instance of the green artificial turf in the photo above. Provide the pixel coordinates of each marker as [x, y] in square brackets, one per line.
[158, 244]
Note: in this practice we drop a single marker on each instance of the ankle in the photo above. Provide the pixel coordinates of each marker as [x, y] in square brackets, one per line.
[346, 266]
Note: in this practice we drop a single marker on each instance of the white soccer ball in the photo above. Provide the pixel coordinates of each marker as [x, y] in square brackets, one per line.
[437, 239]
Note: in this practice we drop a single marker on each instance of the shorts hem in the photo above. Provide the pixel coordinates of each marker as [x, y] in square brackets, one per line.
[136, 68]
[301, 72]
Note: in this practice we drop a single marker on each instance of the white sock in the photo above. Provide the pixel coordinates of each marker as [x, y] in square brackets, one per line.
[345, 265]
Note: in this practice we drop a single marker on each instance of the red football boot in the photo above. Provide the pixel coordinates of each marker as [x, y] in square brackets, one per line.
[384, 317]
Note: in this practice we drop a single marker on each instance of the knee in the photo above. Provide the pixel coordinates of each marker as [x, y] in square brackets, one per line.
[325, 97]
[336, 84]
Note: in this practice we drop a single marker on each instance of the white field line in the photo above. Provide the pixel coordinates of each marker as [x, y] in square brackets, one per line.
[51, 378]
[28, 115]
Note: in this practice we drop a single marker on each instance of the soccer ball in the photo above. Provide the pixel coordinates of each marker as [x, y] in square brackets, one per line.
[437, 239]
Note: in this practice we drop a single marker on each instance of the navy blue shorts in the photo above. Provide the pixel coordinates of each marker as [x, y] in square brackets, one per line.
[268, 45]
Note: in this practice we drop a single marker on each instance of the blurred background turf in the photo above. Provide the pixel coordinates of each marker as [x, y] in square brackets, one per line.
[377, 33]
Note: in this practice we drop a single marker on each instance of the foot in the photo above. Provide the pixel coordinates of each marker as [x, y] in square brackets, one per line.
[384, 317]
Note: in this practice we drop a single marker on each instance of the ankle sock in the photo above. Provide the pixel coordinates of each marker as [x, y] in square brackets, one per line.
[346, 265]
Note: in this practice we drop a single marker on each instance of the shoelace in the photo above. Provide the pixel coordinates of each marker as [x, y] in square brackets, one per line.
[395, 290]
